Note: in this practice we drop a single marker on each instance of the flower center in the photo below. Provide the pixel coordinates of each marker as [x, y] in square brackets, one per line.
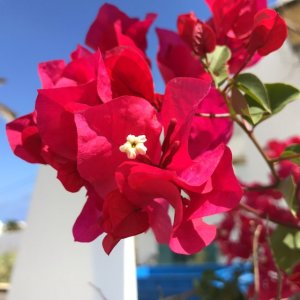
[134, 145]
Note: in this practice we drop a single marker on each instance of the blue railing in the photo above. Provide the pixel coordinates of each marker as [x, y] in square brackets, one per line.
[158, 282]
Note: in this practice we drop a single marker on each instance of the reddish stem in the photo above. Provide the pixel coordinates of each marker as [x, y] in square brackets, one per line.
[265, 216]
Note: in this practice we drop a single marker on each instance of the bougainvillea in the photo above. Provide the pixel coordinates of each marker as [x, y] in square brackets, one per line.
[139, 155]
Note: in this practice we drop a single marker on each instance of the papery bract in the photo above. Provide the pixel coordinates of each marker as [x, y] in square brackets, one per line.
[59, 106]
[58, 73]
[121, 71]
[234, 17]
[103, 129]
[207, 133]
[268, 278]
[175, 58]
[138, 185]
[198, 35]
[60, 136]
[233, 23]
[268, 34]
[141, 184]
[235, 235]
[113, 28]
[144, 184]
[24, 138]
[88, 224]
[51, 72]
[275, 149]
[129, 73]
[89, 79]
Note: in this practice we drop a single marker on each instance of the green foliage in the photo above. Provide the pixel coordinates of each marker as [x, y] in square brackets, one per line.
[7, 261]
[260, 101]
[288, 188]
[212, 287]
[254, 89]
[250, 98]
[290, 151]
[217, 64]
[12, 226]
[280, 95]
[256, 113]
[285, 243]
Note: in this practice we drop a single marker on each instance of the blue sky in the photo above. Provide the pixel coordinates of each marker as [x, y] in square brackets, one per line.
[33, 31]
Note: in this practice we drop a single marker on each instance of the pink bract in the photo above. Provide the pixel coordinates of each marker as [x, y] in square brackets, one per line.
[24, 138]
[197, 34]
[269, 32]
[101, 130]
[113, 28]
[145, 188]
[175, 58]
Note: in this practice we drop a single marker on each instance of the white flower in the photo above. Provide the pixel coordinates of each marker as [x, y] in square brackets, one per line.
[134, 145]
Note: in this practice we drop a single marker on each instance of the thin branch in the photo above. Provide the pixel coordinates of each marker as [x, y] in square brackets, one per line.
[258, 147]
[255, 250]
[231, 80]
[98, 290]
[292, 26]
[260, 188]
[278, 159]
[243, 66]
[279, 285]
[265, 216]
[212, 115]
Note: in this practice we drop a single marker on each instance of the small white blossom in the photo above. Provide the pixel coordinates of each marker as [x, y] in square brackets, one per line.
[134, 145]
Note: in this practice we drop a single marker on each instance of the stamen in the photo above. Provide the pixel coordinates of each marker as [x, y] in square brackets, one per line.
[134, 145]
[172, 150]
[170, 130]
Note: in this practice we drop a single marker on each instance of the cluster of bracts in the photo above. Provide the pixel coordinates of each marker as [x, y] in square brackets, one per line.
[100, 124]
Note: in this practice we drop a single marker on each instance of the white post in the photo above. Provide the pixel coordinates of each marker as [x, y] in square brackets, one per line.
[50, 265]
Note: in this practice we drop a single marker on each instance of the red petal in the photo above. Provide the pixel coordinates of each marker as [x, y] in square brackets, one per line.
[102, 33]
[159, 220]
[269, 32]
[24, 139]
[207, 133]
[59, 105]
[223, 194]
[50, 72]
[175, 57]
[130, 73]
[87, 226]
[192, 236]
[181, 100]
[104, 128]
[198, 35]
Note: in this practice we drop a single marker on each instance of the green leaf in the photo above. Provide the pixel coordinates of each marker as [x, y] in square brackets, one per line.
[280, 95]
[238, 102]
[288, 188]
[285, 242]
[291, 151]
[217, 64]
[256, 112]
[254, 89]
[247, 107]
[264, 100]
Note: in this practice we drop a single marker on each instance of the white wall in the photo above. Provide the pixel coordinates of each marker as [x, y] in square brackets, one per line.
[10, 241]
[52, 266]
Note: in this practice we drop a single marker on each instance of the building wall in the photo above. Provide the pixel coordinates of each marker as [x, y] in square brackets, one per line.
[50, 265]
